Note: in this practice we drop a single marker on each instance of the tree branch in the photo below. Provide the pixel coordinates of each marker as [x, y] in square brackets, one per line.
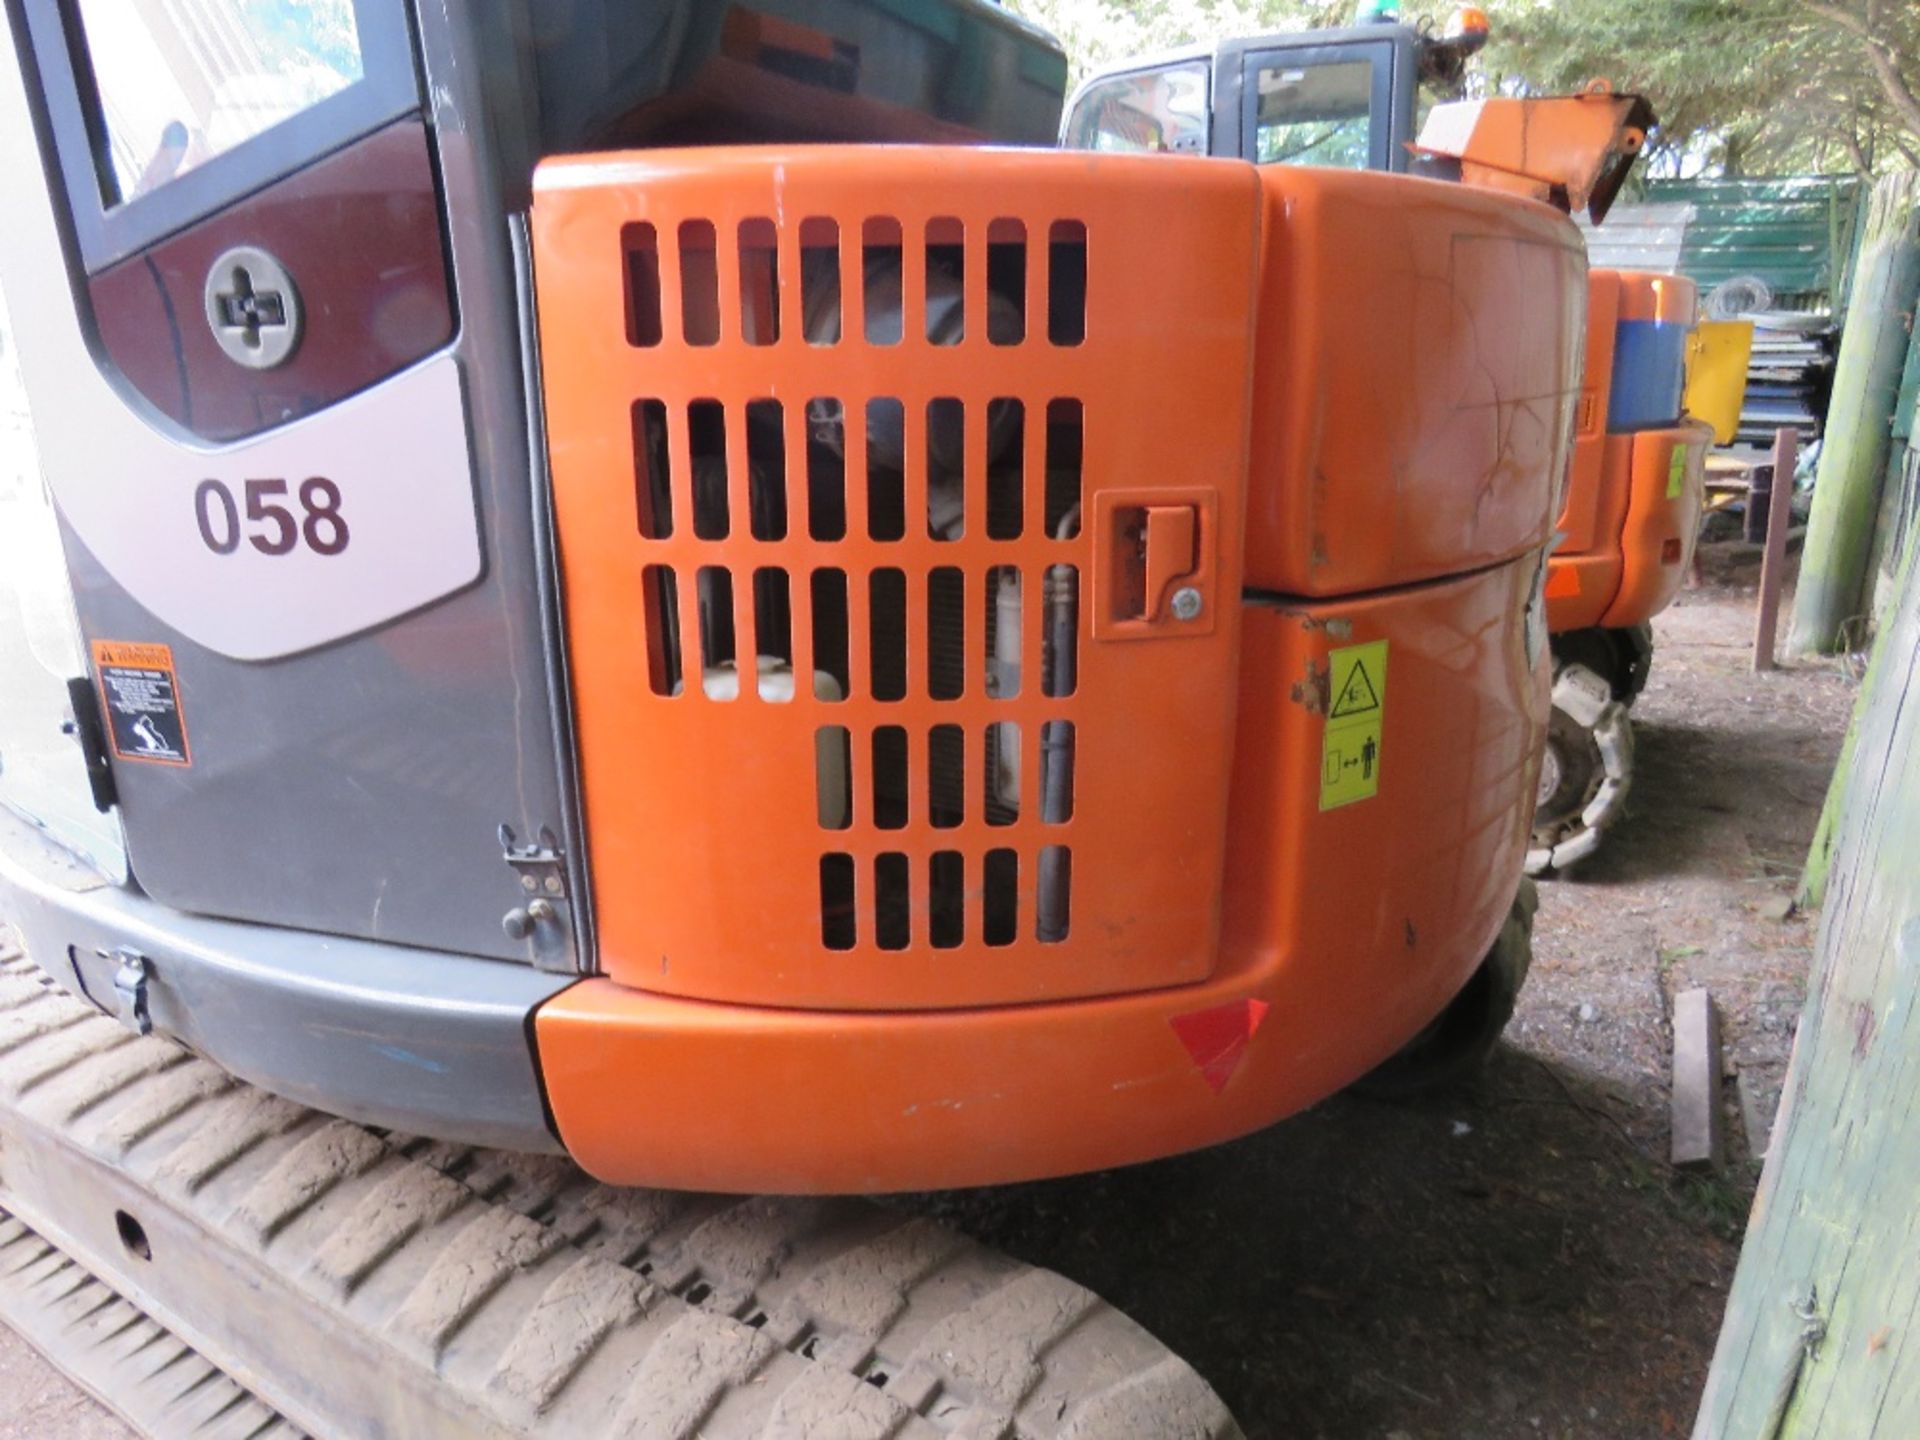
[1851, 141]
[1880, 56]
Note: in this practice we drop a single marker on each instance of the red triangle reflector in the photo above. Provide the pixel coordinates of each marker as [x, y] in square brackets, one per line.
[1217, 1039]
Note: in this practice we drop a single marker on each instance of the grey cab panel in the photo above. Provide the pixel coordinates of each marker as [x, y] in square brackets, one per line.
[335, 569]
[359, 666]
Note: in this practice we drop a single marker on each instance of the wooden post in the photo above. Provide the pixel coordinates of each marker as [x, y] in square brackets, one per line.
[1820, 1338]
[1866, 384]
[1773, 560]
[1826, 835]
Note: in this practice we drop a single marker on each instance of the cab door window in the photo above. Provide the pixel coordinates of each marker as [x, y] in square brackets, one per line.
[1150, 111]
[165, 111]
[1319, 106]
[178, 88]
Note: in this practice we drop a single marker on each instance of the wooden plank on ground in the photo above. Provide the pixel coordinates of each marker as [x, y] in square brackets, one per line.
[1698, 1141]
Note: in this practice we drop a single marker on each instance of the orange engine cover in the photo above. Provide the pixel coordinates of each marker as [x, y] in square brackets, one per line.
[866, 473]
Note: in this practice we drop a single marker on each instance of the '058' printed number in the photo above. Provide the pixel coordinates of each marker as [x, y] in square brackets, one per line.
[272, 528]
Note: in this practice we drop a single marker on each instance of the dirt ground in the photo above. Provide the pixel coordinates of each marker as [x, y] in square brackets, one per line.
[37, 1402]
[1518, 1258]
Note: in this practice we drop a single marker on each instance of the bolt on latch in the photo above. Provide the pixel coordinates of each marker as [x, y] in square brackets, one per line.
[544, 917]
[130, 977]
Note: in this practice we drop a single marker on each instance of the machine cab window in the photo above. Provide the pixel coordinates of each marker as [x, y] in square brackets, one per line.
[1319, 105]
[1313, 114]
[172, 96]
[1339, 98]
[162, 115]
[1148, 111]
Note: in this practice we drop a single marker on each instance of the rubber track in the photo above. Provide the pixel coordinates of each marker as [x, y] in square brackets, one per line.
[360, 1283]
[157, 1382]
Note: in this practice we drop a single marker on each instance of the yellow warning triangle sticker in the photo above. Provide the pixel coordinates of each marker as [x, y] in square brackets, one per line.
[1350, 754]
[1357, 696]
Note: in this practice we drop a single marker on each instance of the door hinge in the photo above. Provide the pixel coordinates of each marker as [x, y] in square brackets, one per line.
[83, 706]
[544, 917]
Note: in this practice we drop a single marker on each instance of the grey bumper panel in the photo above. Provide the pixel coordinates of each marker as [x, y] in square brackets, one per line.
[406, 1039]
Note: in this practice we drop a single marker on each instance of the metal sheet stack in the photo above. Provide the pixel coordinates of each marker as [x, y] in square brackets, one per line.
[1789, 376]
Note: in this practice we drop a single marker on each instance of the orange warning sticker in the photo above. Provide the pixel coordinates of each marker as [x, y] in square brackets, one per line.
[140, 697]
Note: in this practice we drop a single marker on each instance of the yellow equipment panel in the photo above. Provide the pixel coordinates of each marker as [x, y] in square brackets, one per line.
[1717, 357]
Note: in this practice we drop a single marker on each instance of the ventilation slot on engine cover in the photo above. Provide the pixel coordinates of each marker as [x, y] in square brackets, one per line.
[881, 770]
[878, 776]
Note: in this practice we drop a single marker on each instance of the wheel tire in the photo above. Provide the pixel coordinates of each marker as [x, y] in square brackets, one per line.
[1456, 1044]
[1586, 772]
